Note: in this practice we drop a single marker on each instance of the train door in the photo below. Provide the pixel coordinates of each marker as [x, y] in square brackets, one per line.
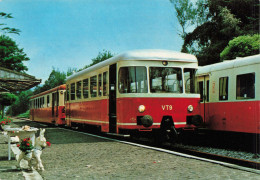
[112, 99]
[203, 84]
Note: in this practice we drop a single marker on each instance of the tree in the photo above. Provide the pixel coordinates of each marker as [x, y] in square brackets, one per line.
[190, 14]
[224, 21]
[11, 57]
[7, 29]
[241, 46]
[21, 105]
[100, 57]
[55, 79]
[6, 100]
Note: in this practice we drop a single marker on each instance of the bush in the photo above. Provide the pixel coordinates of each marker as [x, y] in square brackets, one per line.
[241, 46]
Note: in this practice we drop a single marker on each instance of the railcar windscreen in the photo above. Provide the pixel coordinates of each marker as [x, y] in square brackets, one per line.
[133, 80]
[165, 80]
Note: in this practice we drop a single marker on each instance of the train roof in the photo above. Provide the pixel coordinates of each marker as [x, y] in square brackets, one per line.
[245, 61]
[60, 87]
[144, 55]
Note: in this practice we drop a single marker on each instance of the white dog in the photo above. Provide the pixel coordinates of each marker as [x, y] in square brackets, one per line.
[40, 144]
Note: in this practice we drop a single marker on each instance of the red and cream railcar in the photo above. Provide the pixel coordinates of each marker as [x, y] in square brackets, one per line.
[230, 94]
[48, 106]
[142, 90]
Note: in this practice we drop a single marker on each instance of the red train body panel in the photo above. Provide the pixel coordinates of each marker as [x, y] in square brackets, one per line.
[157, 108]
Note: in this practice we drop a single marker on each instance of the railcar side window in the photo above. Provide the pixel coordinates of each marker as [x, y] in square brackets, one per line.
[133, 80]
[72, 91]
[105, 84]
[100, 85]
[189, 80]
[78, 92]
[207, 91]
[223, 88]
[85, 88]
[68, 92]
[201, 90]
[48, 100]
[246, 86]
[165, 80]
[43, 102]
[93, 86]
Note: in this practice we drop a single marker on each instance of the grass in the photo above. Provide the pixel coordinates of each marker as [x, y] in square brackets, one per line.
[25, 115]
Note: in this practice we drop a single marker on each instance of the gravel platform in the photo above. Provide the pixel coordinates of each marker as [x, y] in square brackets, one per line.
[75, 155]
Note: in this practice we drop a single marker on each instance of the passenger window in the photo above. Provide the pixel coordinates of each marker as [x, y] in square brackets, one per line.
[207, 91]
[72, 91]
[78, 92]
[85, 88]
[223, 88]
[68, 92]
[246, 86]
[105, 84]
[48, 100]
[100, 85]
[201, 90]
[93, 86]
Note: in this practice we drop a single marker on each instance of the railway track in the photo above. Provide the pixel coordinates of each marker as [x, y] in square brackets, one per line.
[245, 165]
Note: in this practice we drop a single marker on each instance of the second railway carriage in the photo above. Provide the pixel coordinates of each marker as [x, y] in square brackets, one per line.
[141, 90]
[230, 94]
[48, 106]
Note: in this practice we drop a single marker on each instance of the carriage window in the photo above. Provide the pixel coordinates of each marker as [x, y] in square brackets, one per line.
[85, 88]
[43, 102]
[48, 100]
[223, 88]
[165, 80]
[207, 91]
[133, 80]
[72, 91]
[105, 84]
[246, 86]
[57, 98]
[93, 86]
[100, 85]
[68, 92]
[78, 92]
[201, 90]
[189, 80]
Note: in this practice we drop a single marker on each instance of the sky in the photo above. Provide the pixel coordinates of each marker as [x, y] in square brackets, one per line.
[65, 34]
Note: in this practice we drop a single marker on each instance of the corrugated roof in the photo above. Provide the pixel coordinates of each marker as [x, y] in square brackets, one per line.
[15, 81]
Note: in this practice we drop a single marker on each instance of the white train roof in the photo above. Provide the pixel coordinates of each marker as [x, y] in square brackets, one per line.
[144, 55]
[245, 61]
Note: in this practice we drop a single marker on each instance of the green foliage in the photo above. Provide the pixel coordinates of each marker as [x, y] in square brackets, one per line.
[21, 105]
[55, 79]
[223, 20]
[6, 29]
[24, 115]
[241, 46]
[6, 99]
[11, 57]
[100, 57]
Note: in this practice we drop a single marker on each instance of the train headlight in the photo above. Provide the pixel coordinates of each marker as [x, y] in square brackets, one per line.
[190, 108]
[141, 108]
